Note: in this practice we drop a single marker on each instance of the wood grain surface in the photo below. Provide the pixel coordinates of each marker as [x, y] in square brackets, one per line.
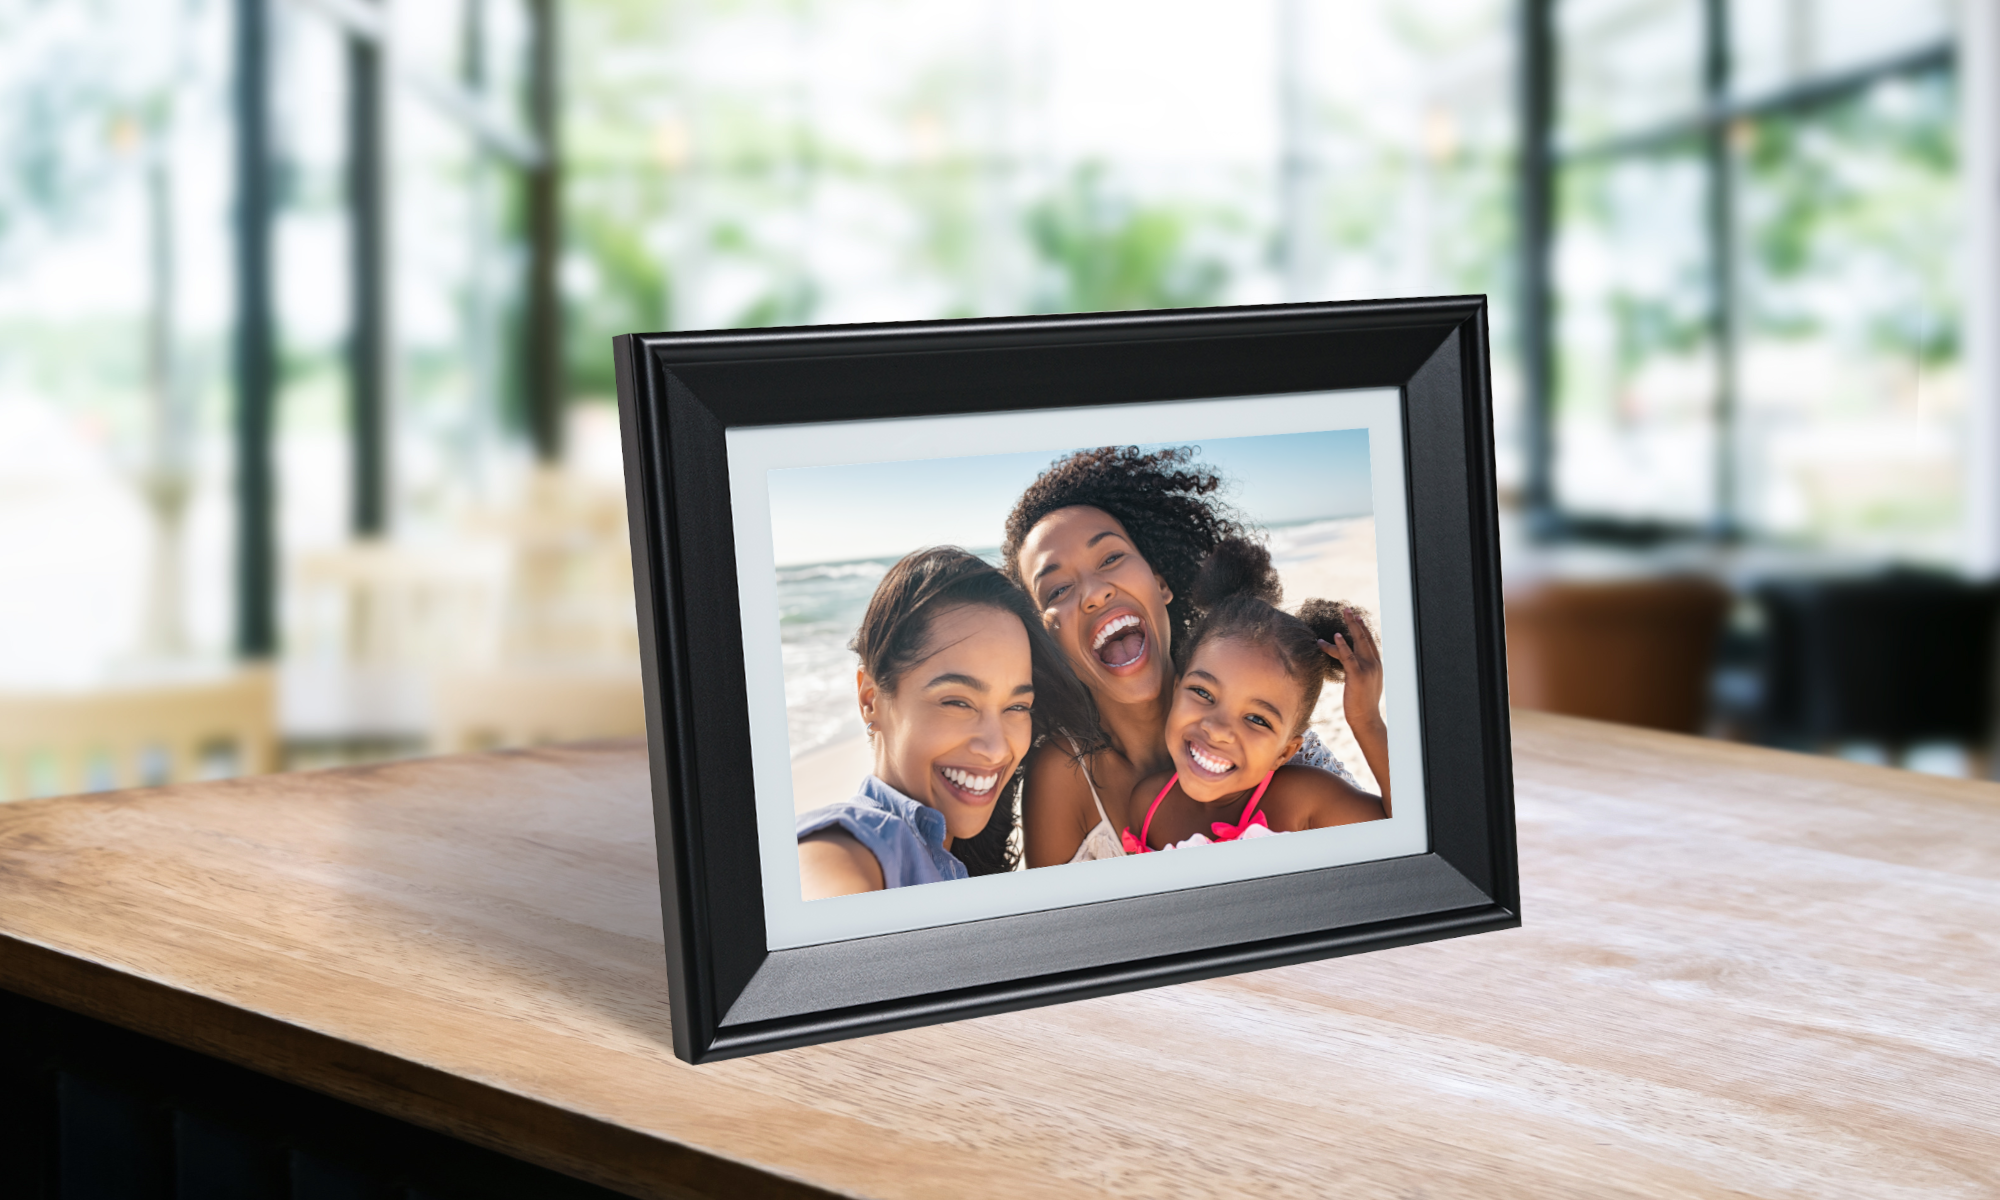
[1742, 973]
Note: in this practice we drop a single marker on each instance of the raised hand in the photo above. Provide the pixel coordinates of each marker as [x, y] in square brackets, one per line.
[1361, 695]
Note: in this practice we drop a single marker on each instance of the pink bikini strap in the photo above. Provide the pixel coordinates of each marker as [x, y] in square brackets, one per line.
[1147, 829]
[1243, 822]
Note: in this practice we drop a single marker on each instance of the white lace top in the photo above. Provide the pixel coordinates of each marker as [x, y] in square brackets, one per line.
[1102, 840]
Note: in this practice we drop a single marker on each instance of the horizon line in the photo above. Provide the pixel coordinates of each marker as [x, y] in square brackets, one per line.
[893, 557]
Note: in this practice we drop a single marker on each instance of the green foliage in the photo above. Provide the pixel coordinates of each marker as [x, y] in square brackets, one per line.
[629, 293]
[1653, 314]
[1859, 201]
[946, 188]
[73, 118]
[1649, 327]
[1102, 251]
[945, 198]
[789, 301]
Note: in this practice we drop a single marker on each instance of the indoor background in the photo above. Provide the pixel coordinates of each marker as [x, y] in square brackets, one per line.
[308, 453]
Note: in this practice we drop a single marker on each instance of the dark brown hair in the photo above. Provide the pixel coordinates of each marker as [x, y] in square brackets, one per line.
[895, 633]
[1237, 592]
[1168, 505]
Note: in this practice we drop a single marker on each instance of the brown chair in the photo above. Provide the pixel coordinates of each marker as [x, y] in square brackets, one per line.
[1635, 651]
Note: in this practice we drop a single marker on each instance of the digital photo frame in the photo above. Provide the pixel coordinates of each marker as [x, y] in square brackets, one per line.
[792, 493]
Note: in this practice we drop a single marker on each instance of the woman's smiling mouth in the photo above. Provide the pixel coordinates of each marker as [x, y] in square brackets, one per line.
[1211, 765]
[1120, 642]
[976, 786]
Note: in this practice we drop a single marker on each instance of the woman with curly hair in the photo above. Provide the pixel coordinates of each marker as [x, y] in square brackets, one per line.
[1108, 544]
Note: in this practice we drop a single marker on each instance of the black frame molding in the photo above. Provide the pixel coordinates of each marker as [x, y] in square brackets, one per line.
[678, 393]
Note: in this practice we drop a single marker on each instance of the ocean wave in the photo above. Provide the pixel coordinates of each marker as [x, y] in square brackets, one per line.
[1296, 543]
[870, 569]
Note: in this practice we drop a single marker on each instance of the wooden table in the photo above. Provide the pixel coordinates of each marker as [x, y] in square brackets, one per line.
[1742, 973]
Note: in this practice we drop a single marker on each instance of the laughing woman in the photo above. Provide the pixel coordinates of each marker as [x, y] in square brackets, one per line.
[1108, 543]
[957, 679]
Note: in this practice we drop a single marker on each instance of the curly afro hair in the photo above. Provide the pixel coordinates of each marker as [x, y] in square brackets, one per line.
[1168, 504]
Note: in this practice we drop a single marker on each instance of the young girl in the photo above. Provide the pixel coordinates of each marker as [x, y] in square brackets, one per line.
[1249, 677]
[957, 678]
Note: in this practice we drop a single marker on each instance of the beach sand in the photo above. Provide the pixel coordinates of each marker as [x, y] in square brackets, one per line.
[830, 773]
[1332, 560]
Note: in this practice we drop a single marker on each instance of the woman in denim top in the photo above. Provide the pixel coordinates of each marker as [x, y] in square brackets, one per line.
[957, 679]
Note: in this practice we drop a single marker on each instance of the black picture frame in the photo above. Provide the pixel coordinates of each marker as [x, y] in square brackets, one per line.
[678, 393]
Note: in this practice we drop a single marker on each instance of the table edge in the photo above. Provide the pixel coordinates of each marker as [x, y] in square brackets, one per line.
[605, 1154]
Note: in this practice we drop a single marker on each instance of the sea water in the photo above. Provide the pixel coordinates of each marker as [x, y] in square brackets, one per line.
[820, 607]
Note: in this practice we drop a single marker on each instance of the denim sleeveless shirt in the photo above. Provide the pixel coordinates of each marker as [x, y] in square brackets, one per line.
[906, 837]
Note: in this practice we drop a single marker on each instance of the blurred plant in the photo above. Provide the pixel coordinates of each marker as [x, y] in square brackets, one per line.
[946, 188]
[59, 139]
[1447, 177]
[1854, 209]
[1646, 327]
[788, 301]
[86, 119]
[623, 167]
[1102, 251]
[660, 199]
[1656, 292]
[626, 290]
[79, 109]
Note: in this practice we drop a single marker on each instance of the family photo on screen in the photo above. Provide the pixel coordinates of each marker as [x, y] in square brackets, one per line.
[1002, 662]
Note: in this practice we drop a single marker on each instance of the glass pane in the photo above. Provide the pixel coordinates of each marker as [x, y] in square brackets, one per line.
[115, 303]
[1852, 383]
[1406, 179]
[443, 230]
[729, 167]
[1624, 66]
[1635, 434]
[376, 628]
[1782, 42]
[723, 163]
[312, 276]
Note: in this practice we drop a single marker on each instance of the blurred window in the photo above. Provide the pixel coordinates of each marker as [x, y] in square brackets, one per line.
[762, 163]
[115, 310]
[1755, 318]
[1626, 65]
[720, 163]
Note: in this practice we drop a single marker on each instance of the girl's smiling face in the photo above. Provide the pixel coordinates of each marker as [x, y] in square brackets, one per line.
[1101, 601]
[1232, 718]
[958, 721]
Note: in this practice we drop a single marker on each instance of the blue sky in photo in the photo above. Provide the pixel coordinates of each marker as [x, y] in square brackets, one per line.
[881, 510]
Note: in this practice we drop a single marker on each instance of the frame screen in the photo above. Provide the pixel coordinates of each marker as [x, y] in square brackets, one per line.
[1317, 473]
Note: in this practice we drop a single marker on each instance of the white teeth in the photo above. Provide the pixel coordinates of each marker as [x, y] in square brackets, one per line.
[1112, 628]
[978, 785]
[1214, 766]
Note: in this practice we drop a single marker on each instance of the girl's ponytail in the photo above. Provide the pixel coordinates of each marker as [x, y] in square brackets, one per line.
[1236, 567]
[1327, 620]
